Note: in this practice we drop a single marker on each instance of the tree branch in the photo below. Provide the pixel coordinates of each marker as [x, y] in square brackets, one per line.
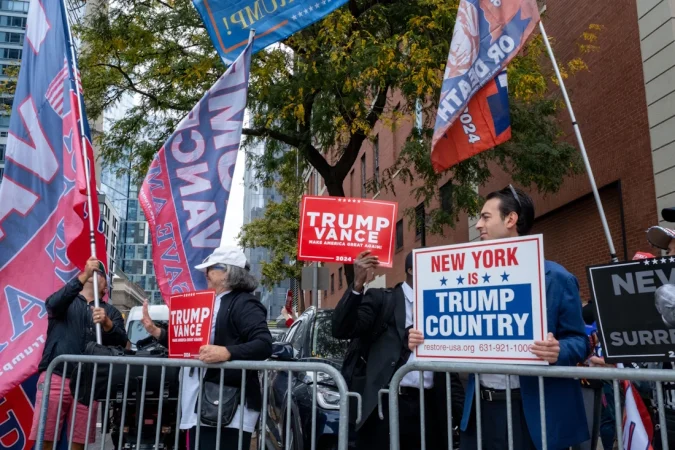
[352, 149]
[288, 139]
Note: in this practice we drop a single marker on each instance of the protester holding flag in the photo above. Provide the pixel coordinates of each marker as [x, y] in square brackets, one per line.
[72, 320]
[239, 332]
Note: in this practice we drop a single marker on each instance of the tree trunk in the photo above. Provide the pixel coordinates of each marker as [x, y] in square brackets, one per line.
[335, 189]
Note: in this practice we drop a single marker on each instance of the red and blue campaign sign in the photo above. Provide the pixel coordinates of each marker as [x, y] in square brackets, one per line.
[481, 302]
[229, 22]
[44, 228]
[484, 124]
[487, 35]
[185, 193]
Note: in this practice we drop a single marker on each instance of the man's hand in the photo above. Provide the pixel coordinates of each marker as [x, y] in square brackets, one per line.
[89, 268]
[548, 350]
[598, 361]
[364, 265]
[148, 324]
[211, 354]
[415, 338]
[101, 317]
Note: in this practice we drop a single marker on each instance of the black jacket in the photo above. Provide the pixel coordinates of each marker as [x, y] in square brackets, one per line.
[71, 325]
[241, 326]
[355, 316]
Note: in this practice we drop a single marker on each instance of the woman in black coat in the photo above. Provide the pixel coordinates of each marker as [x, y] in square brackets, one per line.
[239, 332]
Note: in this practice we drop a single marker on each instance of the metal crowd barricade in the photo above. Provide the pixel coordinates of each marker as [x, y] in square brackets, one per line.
[164, 363]
[593, 373]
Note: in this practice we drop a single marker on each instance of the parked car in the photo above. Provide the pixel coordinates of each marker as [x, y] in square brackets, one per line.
[135, 330]
[309, 339]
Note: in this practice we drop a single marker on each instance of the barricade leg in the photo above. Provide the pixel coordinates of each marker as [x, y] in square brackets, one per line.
[662, 416]
[179, 405]
[263, 428]
[106, 412]
[74, 405]
[288, 409]
[542, 413]
[509, 413]
[124, 407]
[91, 405]
[617, 414]
[479, 419]
[58, 414]
[199, 408]
[422, 413]
[448, 405]
[242, 402]
[160, 406]
[314, 394]
[141, 408]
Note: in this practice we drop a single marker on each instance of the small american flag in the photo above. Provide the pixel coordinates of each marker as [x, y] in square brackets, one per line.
[55, 90]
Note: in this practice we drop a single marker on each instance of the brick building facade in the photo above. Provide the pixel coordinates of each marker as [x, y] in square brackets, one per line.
[612, 110]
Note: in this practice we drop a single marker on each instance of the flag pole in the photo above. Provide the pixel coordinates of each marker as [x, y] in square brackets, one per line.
[582, 147]
[87, 169]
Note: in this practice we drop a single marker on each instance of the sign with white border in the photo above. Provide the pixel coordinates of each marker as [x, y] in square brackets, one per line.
[481, 302]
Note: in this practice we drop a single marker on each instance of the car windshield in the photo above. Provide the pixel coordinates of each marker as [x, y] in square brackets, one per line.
[137, 331]
[325, 345]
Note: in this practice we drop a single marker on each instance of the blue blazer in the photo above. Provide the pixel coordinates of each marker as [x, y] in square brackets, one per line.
[565, 414]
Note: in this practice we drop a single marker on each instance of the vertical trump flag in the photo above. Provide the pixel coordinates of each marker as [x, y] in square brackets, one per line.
[487, 35]
[186, 191]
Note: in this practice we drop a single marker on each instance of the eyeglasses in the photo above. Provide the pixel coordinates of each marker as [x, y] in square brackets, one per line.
[515, 195]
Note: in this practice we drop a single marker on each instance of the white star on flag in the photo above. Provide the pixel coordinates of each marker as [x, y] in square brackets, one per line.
[306, 11]
[316, 6]
[323, 2]
[294, 17]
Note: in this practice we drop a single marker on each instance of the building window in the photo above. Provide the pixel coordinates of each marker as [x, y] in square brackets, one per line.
[340, 277]
[2, 152]
[399, 234]
[10, 53]
[332, 283]
[419, 225]
[376, 163]
[446, 197]
[363, 176]
[2, 171]
[11, 38]
[13, 22]
[14, 5]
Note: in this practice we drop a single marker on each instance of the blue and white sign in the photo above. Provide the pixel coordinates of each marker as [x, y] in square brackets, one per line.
[481, 302]
[229, 22]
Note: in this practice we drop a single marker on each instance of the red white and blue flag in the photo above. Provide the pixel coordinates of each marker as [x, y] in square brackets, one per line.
[187, 188]
[638, 430]
[487, 35]
[44, 232]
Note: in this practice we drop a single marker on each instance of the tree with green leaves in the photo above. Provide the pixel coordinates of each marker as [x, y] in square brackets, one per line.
[316, 99]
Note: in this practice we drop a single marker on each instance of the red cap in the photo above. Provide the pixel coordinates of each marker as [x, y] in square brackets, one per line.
[643, 255]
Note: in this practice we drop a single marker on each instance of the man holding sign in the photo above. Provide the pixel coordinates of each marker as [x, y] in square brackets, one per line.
[509, 213]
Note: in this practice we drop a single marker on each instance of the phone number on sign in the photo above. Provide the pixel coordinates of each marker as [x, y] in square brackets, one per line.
[470, 348]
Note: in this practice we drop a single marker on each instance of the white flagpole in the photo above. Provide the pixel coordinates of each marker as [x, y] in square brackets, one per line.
[87, 170]
[582, 147]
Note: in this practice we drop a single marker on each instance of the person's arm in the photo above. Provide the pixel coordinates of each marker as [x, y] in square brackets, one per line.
[251, 323]
[574, 344]
[57, 304]
[355, 313]
[153, 330]
[114, 333]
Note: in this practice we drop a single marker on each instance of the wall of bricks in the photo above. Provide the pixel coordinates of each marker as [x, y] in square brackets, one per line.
[610, 105]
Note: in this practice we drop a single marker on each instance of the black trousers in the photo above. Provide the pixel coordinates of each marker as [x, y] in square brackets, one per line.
[374, 434]
[494, 427]
[229, 438]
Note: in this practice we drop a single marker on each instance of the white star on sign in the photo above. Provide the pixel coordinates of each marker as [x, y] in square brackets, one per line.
[647, 262]
[672, 259]
[664, 260]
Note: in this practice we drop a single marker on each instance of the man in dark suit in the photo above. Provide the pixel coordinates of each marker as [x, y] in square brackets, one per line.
[510, 213]
[384, 349]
